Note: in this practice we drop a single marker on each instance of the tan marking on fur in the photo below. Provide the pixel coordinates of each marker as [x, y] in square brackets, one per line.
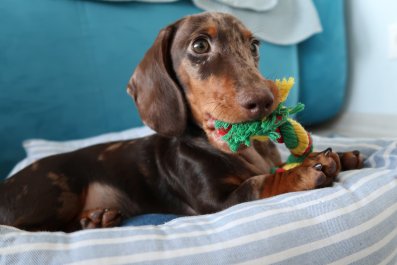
[212, 31]
[68, 200]
[53, 176]
[35, 166]
[131, 142]
[58, 180]
[233, 180]
[305, 178]
[215, 95]
[109, 149]
[246, 33]
[113, 147]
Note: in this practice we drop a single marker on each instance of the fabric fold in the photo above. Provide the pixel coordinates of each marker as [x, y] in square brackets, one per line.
[285, 22]
[288, 22]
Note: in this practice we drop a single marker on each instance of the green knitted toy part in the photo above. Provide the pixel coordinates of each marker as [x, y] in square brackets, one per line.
[290, 138]
[241, 133]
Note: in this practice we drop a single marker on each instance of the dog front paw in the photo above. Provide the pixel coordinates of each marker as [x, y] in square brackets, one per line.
[307, 177]
[330, 165]
[299, 178]
[351, 160]
[100, 218]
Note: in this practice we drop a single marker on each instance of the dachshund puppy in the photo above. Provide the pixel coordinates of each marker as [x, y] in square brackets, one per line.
[201, 68]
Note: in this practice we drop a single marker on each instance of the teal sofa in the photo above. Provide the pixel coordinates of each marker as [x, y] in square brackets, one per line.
[64, 65]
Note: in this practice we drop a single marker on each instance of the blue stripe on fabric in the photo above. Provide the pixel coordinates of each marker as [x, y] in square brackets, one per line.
[392, 260]
[354, 244]
[381, 255]
[290, 255]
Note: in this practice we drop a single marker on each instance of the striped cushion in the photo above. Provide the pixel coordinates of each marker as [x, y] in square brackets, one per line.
[354, 221]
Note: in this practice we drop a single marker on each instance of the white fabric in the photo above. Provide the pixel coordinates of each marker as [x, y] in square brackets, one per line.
[288, 22]
[256, 5]
[284, 22]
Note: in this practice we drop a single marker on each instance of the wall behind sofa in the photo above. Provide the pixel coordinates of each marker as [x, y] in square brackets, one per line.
[371, 108]
[372, 72]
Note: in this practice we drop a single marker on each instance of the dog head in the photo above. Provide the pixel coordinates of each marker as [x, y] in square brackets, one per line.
[203, 67]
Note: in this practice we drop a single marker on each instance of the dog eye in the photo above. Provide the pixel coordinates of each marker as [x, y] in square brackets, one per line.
[255, 48]
[201, 45]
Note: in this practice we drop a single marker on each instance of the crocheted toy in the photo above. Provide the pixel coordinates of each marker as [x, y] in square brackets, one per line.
[277, 127]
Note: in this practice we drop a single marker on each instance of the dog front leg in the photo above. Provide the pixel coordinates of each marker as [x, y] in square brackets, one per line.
[317, 170]
[264, 186]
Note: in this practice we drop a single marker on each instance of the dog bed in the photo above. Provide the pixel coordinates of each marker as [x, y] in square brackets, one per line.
[355, 221]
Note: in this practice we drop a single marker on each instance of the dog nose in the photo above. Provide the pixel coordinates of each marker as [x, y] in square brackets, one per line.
[257, 105]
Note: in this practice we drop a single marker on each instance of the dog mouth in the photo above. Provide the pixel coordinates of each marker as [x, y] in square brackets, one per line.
[235, 137]
[210, 125]
[216, 135]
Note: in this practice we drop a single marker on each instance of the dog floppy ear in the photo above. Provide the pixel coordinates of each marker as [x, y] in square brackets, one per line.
[156, 92]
